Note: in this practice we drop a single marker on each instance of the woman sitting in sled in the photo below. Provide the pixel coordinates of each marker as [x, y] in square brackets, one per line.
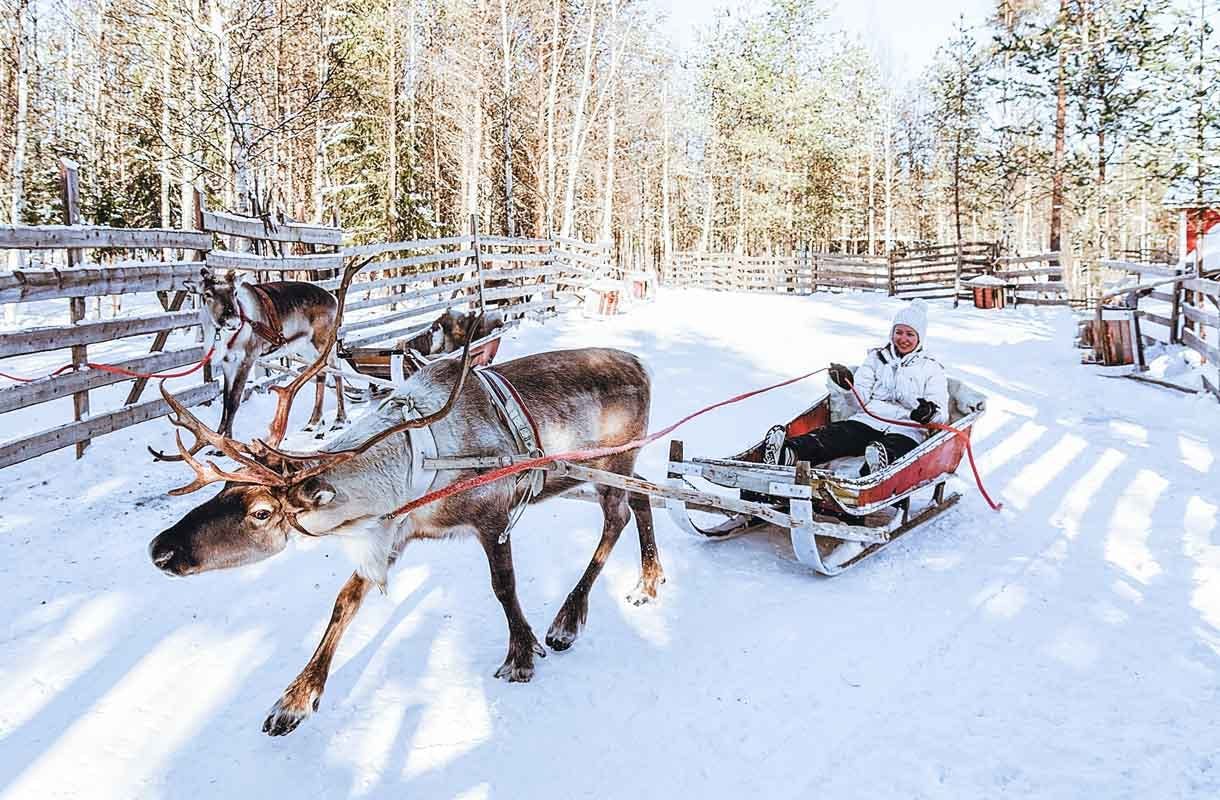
[899, 381]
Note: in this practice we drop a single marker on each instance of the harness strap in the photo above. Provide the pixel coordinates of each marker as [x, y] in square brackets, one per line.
[524, 430]
[272, 331]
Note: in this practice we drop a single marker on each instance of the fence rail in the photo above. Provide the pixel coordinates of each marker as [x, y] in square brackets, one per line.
[925, 272]
[405, 285]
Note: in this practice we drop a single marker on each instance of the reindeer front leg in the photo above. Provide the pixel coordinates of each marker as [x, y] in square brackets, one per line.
[518, 666]
[235, 384]
[301, 697]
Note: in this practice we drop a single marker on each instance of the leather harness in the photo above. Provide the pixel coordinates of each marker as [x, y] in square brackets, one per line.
[271, 331]
[524, 430]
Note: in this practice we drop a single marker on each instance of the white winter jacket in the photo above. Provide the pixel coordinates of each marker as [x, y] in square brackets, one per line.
[892, 387]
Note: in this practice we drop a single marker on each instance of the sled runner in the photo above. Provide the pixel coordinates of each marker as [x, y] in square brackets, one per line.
[835, 517]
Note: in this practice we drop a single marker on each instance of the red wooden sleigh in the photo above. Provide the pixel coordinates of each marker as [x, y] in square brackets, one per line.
[835, 517]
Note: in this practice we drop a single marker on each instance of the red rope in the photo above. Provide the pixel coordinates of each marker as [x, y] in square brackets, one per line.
[118, 370]
[936, 426]
[578, 455]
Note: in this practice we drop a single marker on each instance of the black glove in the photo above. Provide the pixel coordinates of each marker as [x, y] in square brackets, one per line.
[841, 376]
[924, 412]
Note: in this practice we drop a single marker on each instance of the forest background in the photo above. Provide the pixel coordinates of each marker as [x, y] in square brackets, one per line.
[1052, 124]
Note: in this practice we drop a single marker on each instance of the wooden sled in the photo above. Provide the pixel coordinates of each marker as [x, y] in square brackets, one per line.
[399, 362]
[835, 518]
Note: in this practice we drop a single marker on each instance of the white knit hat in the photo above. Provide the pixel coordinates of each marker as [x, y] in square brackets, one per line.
[914, 315]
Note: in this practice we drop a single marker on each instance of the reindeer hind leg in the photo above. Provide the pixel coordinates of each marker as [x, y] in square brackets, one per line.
[319, 399]
[340, 407]
[651, 573]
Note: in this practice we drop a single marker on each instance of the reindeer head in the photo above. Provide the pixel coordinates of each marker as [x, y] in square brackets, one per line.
[272, 493]
[220, 298]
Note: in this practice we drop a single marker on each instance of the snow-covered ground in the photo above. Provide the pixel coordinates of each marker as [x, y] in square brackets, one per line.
[1066, 647]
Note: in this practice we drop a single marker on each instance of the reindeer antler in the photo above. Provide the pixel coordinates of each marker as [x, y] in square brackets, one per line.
[253, 471]
[254, 456]
[287, 394]
[329, 460]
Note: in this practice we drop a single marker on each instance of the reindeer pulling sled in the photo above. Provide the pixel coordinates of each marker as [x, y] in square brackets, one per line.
[835, 519]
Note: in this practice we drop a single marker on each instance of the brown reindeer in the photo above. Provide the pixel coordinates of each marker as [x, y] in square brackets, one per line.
[577, 398]
[245, 321]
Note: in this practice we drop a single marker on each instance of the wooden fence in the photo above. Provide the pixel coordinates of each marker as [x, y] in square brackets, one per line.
[929, 272]
[404, 288]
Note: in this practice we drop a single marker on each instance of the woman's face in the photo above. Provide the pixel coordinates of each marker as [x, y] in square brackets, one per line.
[905, 339]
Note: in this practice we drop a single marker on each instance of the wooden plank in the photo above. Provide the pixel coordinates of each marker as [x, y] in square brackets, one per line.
[418, 294]
[377, 283]
[522, 273]
[418, 244]
[1157, 318]
[93, 237]
[48, 441]
[1202, 316]
[218, 259]
[158, 345]
[1030, 272]
[1164, 297]
[510, 292]
[507, 241]
[38, 340]
[1042, 301]
[70, 203]
[25, 286]
[1208, 351]
[598, 247]
[40, 391]
[1205, 286]
[386, 319]
[1051, 256]
[1160, 270]
[1045, 287]
[255, 228]
[566, 257]
[514, 258]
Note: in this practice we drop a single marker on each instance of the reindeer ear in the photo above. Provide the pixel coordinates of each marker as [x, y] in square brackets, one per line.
[313, 494]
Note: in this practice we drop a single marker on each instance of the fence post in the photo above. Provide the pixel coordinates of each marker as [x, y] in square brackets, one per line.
[891, 262]
[957, 276]
[70, 195]
[478, 263]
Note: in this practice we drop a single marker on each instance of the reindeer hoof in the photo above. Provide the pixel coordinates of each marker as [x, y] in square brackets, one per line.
[567, 626]
[519, 667]
[287, 714]
[645, 591]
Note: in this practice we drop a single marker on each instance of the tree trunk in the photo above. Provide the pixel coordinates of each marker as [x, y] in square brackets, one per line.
[889, 181]
[552, 179]
[872, 192]
[611, 133]
[569, 195]
[705, 237]
[667, 234]
[391, 195]
[1060, 131]
[509, 222]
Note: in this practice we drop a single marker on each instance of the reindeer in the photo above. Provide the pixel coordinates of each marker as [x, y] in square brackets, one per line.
[245, 321]
[455, 325]
[577, 399]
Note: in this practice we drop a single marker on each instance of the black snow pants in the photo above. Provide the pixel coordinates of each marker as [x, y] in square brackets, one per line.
[847, 437]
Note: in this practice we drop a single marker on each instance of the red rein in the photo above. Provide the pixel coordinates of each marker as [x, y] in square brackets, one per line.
[586, 455]
[117, 370]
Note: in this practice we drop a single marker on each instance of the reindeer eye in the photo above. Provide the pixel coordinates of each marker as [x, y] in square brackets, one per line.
[262, 514]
